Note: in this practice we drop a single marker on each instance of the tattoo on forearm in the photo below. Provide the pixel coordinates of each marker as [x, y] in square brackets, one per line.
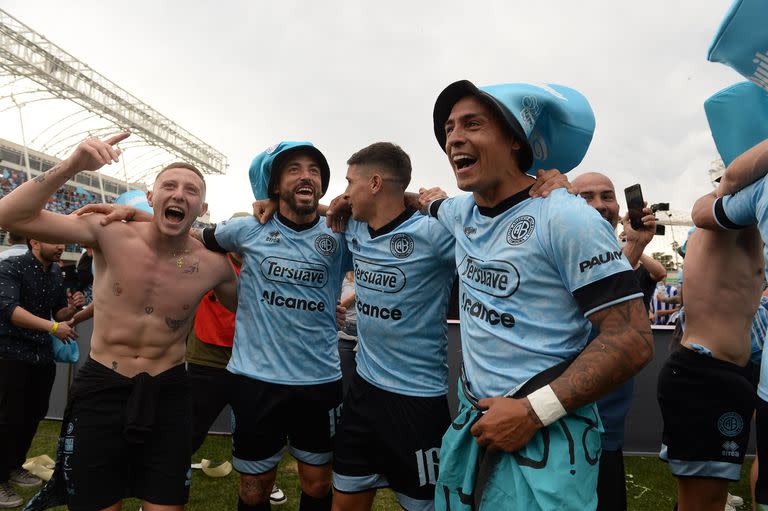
[50, 172]
[116, 289]
[624, 346]
[149, 309]
[175, 324]
[532, 414]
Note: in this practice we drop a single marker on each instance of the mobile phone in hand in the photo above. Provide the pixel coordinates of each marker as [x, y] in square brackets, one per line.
[635, 205]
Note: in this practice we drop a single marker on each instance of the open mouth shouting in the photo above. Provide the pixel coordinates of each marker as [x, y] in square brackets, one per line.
[174, 214]
[462, 162]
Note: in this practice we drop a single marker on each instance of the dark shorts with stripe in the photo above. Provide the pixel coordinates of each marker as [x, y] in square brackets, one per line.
[387, 439]
[707, 406]
[267, 416]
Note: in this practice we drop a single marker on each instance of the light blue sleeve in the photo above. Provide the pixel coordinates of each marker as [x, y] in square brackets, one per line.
[444, 211]
[443, 242]
[740, 209]
[581, 242]
[232, 234]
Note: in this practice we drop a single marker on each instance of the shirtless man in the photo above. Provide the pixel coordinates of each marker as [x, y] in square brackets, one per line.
[735, 298]
[126, 427]
[705, 393]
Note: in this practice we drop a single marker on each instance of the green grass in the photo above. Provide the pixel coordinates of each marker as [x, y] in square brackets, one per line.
[650, 487]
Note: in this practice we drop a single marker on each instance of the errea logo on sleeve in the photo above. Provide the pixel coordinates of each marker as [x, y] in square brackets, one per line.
[597, 260]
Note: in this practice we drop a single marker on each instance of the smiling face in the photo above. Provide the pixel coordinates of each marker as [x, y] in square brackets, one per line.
[599, 193]
[177, 198]
[300, 185]
[480, 150]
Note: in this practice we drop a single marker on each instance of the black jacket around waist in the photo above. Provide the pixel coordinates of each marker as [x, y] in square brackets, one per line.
[24, 283]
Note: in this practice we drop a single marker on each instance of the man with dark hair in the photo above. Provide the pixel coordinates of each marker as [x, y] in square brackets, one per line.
[126, 426]
[287, 381]
[535, 276]
[31, 294]
[598, 190]
[18, 246]
[396, 410]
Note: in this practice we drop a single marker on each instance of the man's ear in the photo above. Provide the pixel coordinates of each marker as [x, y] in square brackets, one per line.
[149, 199]
[376, 183]
[204, 209]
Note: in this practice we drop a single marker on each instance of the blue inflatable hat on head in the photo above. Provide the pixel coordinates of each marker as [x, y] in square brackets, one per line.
[741, 42]
[264, 181]
[555, 123]
[738, 119]
[136, 199]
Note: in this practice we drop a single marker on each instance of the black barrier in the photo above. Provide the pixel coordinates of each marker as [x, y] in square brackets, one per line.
[643, 427]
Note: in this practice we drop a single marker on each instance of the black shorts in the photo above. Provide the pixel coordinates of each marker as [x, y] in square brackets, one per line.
[707, 406]
[388, 439]
[122, 437]
[267, 415]
[611, 482]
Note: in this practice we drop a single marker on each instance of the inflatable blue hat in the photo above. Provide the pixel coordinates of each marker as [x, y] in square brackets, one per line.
[556, 123]
[741, 42]
[136, 199]
[263, 182]
[738, 119]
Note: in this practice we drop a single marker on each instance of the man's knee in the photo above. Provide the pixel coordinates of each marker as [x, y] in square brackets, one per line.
[318, 488]
[255, 490]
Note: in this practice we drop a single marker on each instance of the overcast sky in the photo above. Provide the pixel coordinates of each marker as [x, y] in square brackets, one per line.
[242, 75]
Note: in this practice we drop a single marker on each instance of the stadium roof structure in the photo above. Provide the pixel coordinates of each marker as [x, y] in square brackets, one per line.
[34, 69]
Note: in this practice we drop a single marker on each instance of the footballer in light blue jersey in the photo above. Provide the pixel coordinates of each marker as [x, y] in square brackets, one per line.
[403, 275]
[285, 329]
[530, 272]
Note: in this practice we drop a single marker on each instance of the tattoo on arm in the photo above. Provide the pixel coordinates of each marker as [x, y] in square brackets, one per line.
[175, 324]
[52, 171]
[532, 414]
[623, 347]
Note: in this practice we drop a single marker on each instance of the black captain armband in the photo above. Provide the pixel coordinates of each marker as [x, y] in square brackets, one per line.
[722, 218]
[209, 240]
[434, 206]
[606, 291]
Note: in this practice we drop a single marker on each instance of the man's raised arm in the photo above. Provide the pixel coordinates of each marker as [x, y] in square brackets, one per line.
[747, 168]
[23, 211]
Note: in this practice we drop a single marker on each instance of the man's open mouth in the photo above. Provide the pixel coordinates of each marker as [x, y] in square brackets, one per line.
[462, 161]
[174, 214]
[305, 191]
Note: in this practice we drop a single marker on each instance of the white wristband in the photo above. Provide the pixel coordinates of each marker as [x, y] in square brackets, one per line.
[546, 405]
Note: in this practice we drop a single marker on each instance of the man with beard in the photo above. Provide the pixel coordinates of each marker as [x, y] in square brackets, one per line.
[287, 379]
[599, 192]
[31, 294]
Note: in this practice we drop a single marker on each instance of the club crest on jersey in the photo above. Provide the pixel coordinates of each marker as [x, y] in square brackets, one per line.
[355, 245]
[273, 237]
[325, 244]
[496, 278]
[401, 245]
[521, 229]
[469, 231]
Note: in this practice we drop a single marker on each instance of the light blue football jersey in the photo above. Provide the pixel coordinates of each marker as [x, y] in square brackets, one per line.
[530, 272]
[403, 277]
[290, 282]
